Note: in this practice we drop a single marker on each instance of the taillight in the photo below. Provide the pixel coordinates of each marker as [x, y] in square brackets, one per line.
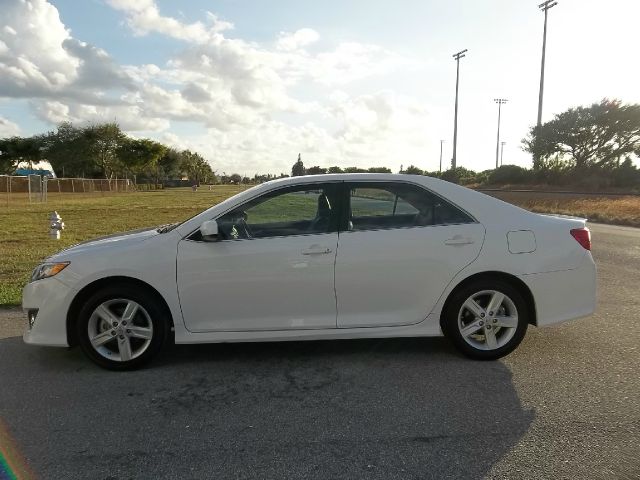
[583, 237]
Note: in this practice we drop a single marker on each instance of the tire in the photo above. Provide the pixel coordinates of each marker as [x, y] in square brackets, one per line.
[477, 328]
[122, 327]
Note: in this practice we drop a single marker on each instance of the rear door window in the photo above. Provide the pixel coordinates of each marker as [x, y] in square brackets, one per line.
[387, 205]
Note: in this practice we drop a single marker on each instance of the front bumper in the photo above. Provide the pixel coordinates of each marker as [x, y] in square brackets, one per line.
[51, 298]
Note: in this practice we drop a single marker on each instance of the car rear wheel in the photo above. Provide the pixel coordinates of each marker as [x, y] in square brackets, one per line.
[122, 328]
[486, 320]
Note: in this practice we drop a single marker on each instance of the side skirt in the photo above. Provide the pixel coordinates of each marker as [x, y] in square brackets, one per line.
[430, 327]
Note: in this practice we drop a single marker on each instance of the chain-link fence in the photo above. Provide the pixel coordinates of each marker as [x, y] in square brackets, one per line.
[22, 188]
[34, 188]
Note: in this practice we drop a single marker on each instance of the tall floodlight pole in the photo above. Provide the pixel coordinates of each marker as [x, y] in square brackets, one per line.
[501, 151]
[441, 142]
[544, 6]
[500, 102]
[457, 57]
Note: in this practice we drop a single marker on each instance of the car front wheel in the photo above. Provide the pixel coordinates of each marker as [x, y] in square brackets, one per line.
[121, 328]
[486, 320]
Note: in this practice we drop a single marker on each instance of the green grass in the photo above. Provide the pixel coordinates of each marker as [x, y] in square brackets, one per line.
[25, 241]
[281, 208]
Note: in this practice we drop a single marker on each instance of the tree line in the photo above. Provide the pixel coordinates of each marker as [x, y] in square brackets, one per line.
[299, 169]
[104, 151]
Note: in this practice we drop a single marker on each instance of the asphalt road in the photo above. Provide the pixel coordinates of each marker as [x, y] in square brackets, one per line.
[566, 404]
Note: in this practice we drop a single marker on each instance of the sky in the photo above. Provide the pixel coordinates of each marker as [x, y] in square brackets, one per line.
[250, 84]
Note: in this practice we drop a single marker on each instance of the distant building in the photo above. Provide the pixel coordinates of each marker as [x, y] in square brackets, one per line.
[42, 168]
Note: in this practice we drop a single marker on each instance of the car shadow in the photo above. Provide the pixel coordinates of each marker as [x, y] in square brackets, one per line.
[383, 408]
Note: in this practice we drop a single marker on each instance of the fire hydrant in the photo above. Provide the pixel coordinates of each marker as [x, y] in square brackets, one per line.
[56, 225]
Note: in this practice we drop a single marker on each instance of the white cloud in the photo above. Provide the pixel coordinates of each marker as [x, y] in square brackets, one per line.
[193, 92]
[8, 128]
[52, 111]
[34, 60]
[40, 59]
[143, 17]
[298, 39]
[243, 94]
[218, 25]
[129, 117]
[232, 59]
[96, 68]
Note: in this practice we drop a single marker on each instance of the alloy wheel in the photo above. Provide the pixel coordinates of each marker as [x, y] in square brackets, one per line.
[487, 320]
[120, 330]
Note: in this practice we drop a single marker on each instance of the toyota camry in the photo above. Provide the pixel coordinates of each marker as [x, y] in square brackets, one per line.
[319, 257]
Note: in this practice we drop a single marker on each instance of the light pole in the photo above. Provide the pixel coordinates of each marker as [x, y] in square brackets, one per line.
[501, 151]
[457, 57]
[441, 142]
[500, 102]
[544, 6]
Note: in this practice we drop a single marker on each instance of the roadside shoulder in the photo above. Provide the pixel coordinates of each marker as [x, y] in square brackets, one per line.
[12, 322]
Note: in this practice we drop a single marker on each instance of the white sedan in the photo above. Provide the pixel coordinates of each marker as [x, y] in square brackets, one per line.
[319, 257]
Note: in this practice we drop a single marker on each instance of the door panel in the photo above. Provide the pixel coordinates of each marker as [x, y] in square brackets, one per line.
[401, 248]
[395, 277]
[272, 268]
[258, 284]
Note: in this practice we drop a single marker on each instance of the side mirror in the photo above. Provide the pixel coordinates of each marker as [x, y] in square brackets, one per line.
[209, 231]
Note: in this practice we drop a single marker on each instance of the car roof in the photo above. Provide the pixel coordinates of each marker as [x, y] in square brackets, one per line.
[327, 177]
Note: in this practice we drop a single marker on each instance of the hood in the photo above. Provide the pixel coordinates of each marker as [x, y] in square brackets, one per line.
[118, 240]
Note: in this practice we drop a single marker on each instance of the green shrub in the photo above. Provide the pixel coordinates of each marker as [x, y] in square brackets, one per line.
[510, 174]
[459, 175]
[627, 175]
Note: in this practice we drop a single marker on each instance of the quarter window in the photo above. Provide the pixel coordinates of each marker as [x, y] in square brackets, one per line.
[399, 205]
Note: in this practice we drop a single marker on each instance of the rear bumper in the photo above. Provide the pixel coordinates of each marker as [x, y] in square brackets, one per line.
[51, 298]
[564, 295]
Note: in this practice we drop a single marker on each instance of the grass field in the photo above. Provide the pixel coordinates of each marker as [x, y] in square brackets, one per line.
[619, 211]
[24, 239]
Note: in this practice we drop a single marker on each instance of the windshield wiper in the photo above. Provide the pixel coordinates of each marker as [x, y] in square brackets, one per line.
[167, 228]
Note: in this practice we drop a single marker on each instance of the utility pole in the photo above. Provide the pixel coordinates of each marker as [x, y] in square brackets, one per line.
[544, 6]
[501, 151]
[441, 142]
[500, 102]
[457, 57]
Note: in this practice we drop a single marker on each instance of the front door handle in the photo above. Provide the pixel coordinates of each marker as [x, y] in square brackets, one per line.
[317, 250]
[459, 240]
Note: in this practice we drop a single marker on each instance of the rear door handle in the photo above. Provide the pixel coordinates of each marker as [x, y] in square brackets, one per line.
[458, 240]
[317, 250]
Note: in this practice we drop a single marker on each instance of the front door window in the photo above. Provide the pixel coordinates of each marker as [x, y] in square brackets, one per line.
[291, 211]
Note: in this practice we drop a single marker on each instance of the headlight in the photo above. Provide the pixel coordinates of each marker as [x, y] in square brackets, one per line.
[47, 270]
